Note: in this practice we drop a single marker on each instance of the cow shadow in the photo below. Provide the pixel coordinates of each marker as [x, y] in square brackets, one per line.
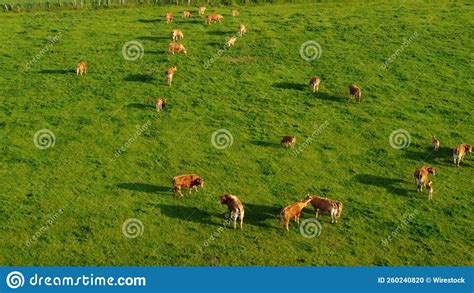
[391, 185]
[146, 78]
[443, 155]
[266, 143]
[261, 215]
[193, 214]
[139, 106]
[328, 97]
[56, 71]
[155, 39]
[219, 33]
[144, 187]
[289, 86]
[150, 20]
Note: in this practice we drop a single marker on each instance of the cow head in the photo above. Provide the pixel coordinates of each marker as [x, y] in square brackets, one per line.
[199, 182]
[431, 170]
[309, 197]
[223, 199]
[468, 148]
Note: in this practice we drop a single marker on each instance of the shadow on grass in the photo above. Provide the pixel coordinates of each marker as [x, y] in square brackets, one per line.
[150, 20]
[155, 39]
[144, 187]
[139, 106]
[186, 213]
[443, 155]
[56, 71]
[266, 144]
[390, 184]
[260, 215]
[140, 78]
[220, 33]
[326, 96]
[289, 86]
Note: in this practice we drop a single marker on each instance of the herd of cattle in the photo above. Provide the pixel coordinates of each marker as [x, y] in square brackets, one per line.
[292, 211]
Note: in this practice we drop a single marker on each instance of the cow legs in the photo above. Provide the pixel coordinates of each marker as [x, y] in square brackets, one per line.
[317, 213]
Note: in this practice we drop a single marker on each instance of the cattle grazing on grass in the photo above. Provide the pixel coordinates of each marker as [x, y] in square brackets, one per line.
[236, 209]
[169, 17]
[160, 104]
[231, 42]
[81, 68]
[429, 188]
[201, 10]
[177, 34]
[176, 47]
[169, 74]
[333, 207]
[460, 152]
[435, 142]
[421, 176]
[189, 181]
[186, 14]
[242, 30]
[314, 83]
[214, 18]
[288, 141]
[355, 92]
[293, 211]
[235, 12]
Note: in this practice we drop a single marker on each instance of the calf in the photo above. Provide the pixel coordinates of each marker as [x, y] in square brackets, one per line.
[201, 10]
[435, 143]
[333, 207]
[355, 92]
[169, 74]
[177, 34]
[460, 152]
[160, 104]
[314, 83]
[429, 188]
[235, 13]
[231, 42]
[293, 211]
[236, 209]
[421, 176]
[175, 47]
[288, 141]
[190, 181]
[242, 30]
[214, 18]
[81, 68]
[186, 14]
[169, 17]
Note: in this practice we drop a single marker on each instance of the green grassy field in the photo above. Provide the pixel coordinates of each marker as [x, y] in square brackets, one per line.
[76, 195]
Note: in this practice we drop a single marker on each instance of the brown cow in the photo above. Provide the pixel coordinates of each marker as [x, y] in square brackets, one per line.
[186, 14]
[177, 34]
[293, 211]
[169, 17]
[355, 92]
[169, 74]
[460, 152]
[175, 47]
[242, 30]
[421, 176]
[235, 12]
[314, 83]
[435, 142]
[190, 181]
[236, 209]
[214, 18]
[201, 10]
[429, 188]
[160, 104]
[333, 207]
[288, 141]
[81, 68]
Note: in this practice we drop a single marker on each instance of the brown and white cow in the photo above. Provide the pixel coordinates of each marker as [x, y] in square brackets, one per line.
[231, 42]
[293, 211]
[176, 47]
[429, 188]
[177, 34]
[81, 68]
[235, 12]
[214, 18]
[186, 14]
[190, 181]
[169, 17]
[242, 30]
[421, 176]
[169, 74]
[201, 10]
[160, 104]
[355, 92]
[236, 209]
[314, 83]
[460, 152]
[333, 207]
[435, 142]
[288, 141]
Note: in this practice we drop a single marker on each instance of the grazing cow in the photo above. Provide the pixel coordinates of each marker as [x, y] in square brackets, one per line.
[421, 176]
[333, 207]
[242, 30]
[177, 34]
[160, 104]
[429, 188]
[435, 143]
[236, 209]
[288, 141]
[175, 47]
[460, 152]
[235, 13]
[81, 68]
[190, 181]
[231, 42]
[214, 18]
[169, 17]
[355, 93]
[169, 74]
[314, 83]
[293, 211]
[201, 10]
[186, 14]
